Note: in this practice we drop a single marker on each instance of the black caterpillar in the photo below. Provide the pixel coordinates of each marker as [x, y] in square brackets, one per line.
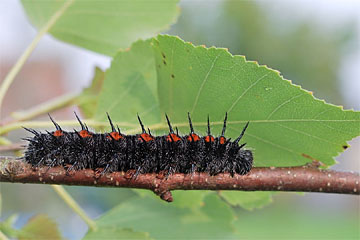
[142, 153]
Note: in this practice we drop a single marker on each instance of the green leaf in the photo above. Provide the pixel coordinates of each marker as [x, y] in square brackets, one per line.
[132, 79]
[103, 26]
[247, 200]
[7, 226]
[286, 221]
[115, 233]
[130, 87]
[40, 227]
[165, 221]
[189, 199]
[288, 126]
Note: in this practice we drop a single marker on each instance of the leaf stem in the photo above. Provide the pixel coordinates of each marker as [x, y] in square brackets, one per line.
[45, 107]
[2, 236]
[74, 206]
[26, 54]
[4, 141]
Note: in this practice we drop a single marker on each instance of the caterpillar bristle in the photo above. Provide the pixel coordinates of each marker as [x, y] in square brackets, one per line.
[237, 140]
[57, 126]
[111, 124]
[169, 124]
[141, 124]
[208, 126]
[190, 124]
[224, 126]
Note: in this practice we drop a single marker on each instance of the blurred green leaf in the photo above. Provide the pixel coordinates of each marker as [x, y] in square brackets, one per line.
[288, 126]
[40, 227]
[289, 221]
[189, 199]
[165, 221]
[89, 98]
[104, 26]
[115, 233]
[7, 226]
[247, 200]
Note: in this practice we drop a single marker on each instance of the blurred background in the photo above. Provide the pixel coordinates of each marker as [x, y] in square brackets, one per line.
[316, 44]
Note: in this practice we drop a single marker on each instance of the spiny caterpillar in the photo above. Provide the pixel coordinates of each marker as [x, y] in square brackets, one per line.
[142, 153]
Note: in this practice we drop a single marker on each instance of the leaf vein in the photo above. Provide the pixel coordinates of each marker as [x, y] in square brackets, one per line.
[282, 104]
[203, 83]
[246, 90]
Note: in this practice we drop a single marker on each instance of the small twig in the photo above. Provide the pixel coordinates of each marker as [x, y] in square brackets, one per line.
[300, 179]
[2, 236]
[73, 205]
[26, 54]
[43, 108]
[12, 147]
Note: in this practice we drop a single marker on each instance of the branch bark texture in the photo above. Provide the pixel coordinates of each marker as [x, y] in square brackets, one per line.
[307, 178]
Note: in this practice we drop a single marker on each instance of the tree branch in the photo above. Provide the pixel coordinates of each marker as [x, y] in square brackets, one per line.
[308, 178]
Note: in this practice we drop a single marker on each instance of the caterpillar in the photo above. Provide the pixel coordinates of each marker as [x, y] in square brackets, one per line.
[142, 153]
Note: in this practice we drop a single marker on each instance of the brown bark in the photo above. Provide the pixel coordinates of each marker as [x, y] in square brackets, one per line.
[307, 178]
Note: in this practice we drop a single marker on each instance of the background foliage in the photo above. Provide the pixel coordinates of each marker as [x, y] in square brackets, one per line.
[166, 74]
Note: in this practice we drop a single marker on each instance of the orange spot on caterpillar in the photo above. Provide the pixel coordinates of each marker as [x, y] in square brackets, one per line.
[193, 137]
[146, 137]
[84, 134]
[115, 136]
[209, 138]
[58, 133]
[172, 137]
[222, 140]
